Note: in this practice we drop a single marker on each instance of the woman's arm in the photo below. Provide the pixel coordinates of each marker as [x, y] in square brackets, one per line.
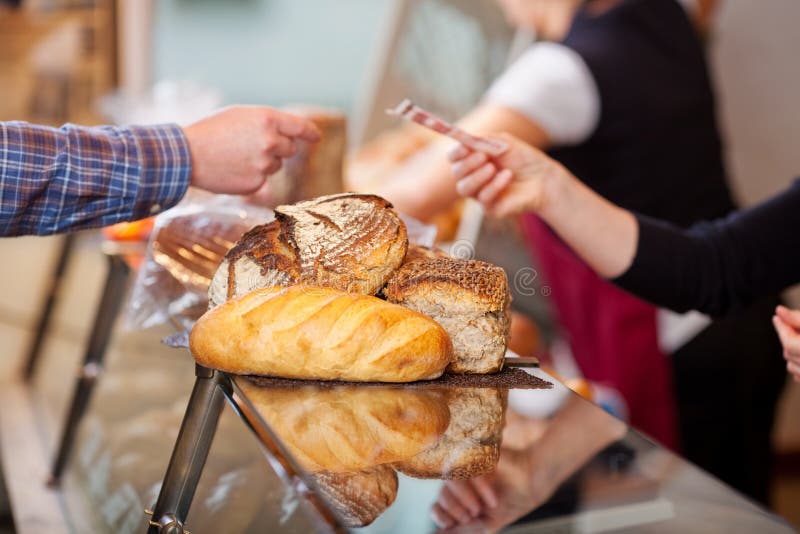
[712, 267]
[422, 187]
[717, 266]
[547, 97]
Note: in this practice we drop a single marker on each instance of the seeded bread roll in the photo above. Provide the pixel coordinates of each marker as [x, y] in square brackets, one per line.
[419, 252]
[346, 429]
[349, 242]
[469, 298]
[320, 333]
[471, 444]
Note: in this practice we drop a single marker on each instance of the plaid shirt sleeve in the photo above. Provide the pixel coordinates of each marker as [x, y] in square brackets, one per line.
[55, 180]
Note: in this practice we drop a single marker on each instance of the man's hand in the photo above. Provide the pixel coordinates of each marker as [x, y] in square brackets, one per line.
[787, 323]
[234, 150]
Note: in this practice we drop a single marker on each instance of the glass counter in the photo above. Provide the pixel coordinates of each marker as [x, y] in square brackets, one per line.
[391, 458]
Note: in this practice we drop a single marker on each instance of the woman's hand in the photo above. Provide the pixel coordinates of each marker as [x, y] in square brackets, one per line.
[495, 499]
[515, 182]
[234, 150]
[787, 323]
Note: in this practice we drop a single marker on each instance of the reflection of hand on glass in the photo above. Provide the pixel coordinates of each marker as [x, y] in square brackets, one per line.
[526, 478]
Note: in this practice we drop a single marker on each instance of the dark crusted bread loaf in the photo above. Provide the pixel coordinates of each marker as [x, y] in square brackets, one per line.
[419, 252]
[358, 498]
[349, 242]
[261, 258]
[469, 298]
[471, 444]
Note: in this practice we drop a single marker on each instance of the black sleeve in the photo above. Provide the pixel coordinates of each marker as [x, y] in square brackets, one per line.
[716, 266]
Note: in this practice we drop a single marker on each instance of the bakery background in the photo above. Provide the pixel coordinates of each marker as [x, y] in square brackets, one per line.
[97, 61]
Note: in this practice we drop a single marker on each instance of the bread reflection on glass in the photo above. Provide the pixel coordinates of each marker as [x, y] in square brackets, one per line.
[471, 444]
[346, 429]
[358, 498]
[351, 440]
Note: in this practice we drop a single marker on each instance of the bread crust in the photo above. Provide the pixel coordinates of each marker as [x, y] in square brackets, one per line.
[471, 444]
[319, 333]
[419, 252]
[358, 498]
[469, 298]
[347, 241]
[352, 242]
[482, 283]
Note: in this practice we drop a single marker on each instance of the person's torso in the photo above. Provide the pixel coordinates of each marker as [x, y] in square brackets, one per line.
[656, 149]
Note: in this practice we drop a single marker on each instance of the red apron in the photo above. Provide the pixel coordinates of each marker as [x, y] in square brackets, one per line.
[612, 334]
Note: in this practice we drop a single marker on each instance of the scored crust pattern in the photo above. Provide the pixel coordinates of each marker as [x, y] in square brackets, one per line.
[348, 241]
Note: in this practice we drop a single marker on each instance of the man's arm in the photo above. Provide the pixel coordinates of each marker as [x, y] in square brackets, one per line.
[70, 178]
[56, 180]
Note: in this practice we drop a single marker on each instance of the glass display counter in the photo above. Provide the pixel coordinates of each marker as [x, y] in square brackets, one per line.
[270, 456]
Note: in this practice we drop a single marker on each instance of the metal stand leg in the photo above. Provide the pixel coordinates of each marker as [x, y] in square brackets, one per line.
[46, 312]
[211, 389]
[110, 304]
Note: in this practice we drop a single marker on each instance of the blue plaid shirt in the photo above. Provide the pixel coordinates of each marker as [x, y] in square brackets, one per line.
[63, 179]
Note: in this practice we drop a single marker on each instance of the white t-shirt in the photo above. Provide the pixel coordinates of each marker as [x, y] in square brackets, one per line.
[552, 86]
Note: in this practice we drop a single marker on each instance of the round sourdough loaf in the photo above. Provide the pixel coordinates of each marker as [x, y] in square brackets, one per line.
[348, 241]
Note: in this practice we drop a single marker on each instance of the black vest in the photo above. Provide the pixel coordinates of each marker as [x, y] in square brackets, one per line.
[656, 149]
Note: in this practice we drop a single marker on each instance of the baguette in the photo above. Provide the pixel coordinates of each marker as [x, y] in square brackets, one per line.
[319, 333]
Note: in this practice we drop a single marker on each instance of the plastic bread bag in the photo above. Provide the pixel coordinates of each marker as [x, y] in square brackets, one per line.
[186, 247]
[187, 244]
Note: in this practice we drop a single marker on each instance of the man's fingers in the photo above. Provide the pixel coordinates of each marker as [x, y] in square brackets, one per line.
[790, 317]
[468, 165]
[466, 495]
[472, 183]
[274, 166]
[489, 194]
[294, 126]
[282, 147]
